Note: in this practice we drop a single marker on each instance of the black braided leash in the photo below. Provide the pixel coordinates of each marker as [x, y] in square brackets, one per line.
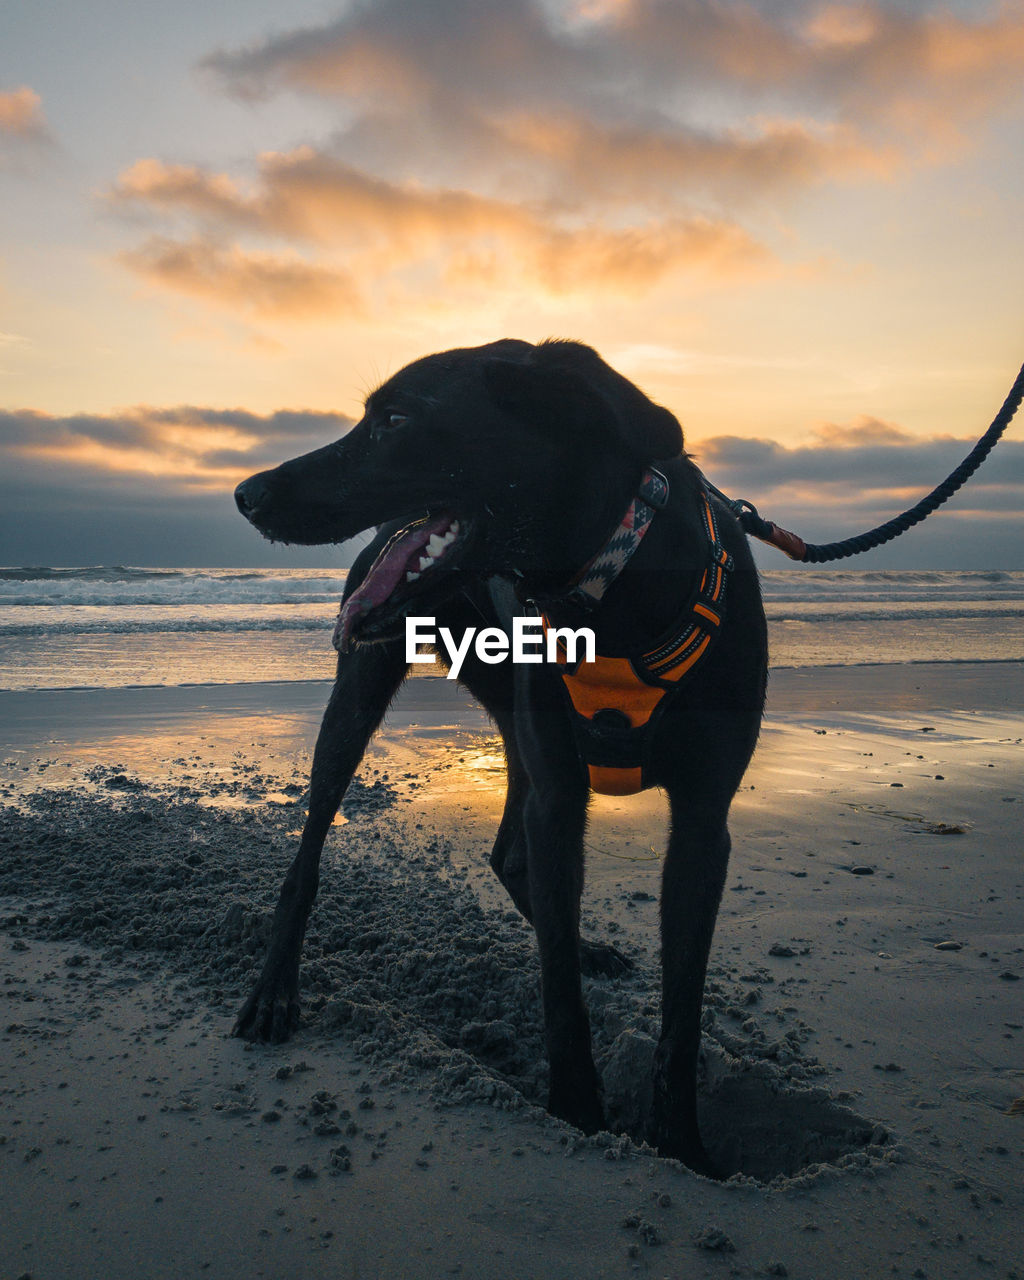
[809, 553]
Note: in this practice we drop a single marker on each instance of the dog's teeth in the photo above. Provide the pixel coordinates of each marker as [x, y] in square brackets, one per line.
[426, 562]
[436, 545]
[448, 538]
[454, 527]
[411, 577]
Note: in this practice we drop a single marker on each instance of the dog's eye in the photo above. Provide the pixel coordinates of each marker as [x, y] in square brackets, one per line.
[397, 419]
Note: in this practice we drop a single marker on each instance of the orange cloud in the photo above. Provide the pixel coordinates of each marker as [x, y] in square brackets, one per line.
[841, 24]
[860, 57]
[312, 195]
[263, 284]
[575, 149]
[918, 75]
[925, 77]
[380, 229]
[633, 260]
[180, 186]
[309, 196]
[624, 163]
[20, 113]
[21, 119]
[863, 433]
[599, 10]
[574, 134]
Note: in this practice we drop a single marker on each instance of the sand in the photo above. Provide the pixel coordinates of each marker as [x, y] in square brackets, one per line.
[863, 1071]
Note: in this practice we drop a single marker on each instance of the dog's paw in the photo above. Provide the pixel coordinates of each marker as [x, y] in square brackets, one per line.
[583, 1112]
[698, 1161]
[267, 1018]
[689, 1151]
[602, 960]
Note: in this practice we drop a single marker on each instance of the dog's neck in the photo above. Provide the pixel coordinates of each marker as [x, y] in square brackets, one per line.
[639, 593]
[587, 588]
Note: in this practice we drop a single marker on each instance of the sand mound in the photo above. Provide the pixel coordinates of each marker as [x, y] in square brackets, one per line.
[401, 958]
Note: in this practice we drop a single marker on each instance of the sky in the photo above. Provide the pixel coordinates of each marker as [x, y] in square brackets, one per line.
[223, 223]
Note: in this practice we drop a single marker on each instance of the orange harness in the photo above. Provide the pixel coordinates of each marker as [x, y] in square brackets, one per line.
[616, 701]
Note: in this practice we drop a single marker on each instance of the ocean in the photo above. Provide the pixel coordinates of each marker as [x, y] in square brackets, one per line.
[129, 627]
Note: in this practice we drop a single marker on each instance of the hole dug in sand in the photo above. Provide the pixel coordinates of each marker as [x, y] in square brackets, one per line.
[756, 1123]
[466, 1019]
[755, 1120]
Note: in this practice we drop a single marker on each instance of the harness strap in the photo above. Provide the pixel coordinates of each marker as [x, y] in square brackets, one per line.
[690, 640]
[615, 700]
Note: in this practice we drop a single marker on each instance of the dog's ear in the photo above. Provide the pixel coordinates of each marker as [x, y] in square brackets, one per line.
[567, 387]
[651, 430]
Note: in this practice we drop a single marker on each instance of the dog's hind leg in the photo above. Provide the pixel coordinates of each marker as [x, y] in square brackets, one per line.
[693, 879]
[492, 685]
[509, 864]
[367, 680]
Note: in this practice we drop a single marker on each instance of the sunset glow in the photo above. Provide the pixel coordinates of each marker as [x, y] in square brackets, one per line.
[796, 226]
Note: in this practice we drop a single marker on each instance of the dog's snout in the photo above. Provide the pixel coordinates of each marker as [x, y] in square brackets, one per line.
[249, 496]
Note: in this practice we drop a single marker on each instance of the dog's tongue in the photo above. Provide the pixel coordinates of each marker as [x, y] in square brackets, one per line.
[387, 572]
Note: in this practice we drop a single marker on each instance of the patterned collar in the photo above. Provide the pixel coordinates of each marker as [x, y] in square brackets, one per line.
[598, 574]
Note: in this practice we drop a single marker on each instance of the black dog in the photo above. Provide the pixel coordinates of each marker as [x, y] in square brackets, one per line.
[498, 474]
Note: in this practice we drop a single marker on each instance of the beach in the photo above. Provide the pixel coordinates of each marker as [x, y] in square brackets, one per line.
[603, 315]
[863, 1024]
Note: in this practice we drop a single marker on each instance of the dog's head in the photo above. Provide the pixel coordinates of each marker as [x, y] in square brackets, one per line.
[506, 458]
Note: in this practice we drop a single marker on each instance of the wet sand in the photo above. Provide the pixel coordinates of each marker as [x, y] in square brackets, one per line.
[864, 1021]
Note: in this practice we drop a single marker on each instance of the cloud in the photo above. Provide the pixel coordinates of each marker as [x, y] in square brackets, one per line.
[262, 284]
[619, 164]
[919, 72]
[865, 466]
[309, 196]
[377, 229]
[568, 110]
[864, 432]
[175, 449]
[849, 479]
[93, 488]
[147, 485]
[924, 75]
[578, 147]
[212, 197]
[24, 133]
[21, 116]
[397, 50]
[865, 472]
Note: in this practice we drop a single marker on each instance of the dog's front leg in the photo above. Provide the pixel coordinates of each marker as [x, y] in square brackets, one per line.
[554, 818]
[367, 681]
[692, 883]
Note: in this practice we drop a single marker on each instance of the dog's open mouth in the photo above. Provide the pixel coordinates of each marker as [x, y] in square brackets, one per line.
[399, 573]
